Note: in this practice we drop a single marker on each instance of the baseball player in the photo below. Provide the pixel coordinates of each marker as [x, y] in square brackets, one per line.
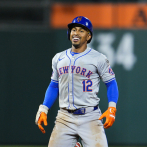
[76, 79]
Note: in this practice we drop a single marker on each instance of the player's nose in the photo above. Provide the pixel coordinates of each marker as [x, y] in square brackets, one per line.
[76, 32]
[76, 35]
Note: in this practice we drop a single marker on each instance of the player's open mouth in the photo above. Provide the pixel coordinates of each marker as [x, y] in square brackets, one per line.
[75, 39]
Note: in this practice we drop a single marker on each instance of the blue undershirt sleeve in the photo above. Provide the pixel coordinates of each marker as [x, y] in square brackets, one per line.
[112, 91]
[51, 94]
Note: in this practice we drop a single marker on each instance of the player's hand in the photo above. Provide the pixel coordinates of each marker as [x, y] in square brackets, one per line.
[42, 119]
[110, 117]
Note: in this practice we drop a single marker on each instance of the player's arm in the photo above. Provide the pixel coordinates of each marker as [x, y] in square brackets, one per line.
[108, 77]
[51, 94]
[112, 95]
[50, 97]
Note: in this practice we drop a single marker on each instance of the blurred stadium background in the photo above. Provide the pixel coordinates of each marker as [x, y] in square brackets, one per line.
[32, 31]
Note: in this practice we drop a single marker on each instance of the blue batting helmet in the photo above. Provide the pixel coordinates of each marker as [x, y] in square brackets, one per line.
[81, 21]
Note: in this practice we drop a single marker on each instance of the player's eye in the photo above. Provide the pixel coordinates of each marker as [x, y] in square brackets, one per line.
[73, 30]
[82, 31]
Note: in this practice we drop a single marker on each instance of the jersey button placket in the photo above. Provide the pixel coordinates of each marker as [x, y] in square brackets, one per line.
[71, 83]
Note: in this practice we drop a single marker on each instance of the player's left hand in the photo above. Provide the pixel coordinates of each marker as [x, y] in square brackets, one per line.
[42, 119]
[110, 117]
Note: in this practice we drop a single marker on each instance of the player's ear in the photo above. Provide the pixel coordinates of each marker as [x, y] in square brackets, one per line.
[88, 36]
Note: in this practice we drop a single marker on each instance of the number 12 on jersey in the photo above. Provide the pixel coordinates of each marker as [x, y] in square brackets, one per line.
[86, 85]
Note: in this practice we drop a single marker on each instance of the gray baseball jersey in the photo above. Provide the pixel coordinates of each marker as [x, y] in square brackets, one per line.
[79, 77]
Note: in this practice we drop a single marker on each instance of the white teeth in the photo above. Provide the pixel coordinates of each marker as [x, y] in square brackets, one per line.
[76, 38]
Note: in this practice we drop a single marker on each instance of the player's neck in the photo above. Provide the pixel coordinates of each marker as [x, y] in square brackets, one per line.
[79, 49]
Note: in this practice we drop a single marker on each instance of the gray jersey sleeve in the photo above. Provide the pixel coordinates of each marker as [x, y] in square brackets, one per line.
[55, 75]
[105, 71]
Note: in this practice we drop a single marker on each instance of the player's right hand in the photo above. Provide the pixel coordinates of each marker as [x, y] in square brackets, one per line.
[42, 119]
